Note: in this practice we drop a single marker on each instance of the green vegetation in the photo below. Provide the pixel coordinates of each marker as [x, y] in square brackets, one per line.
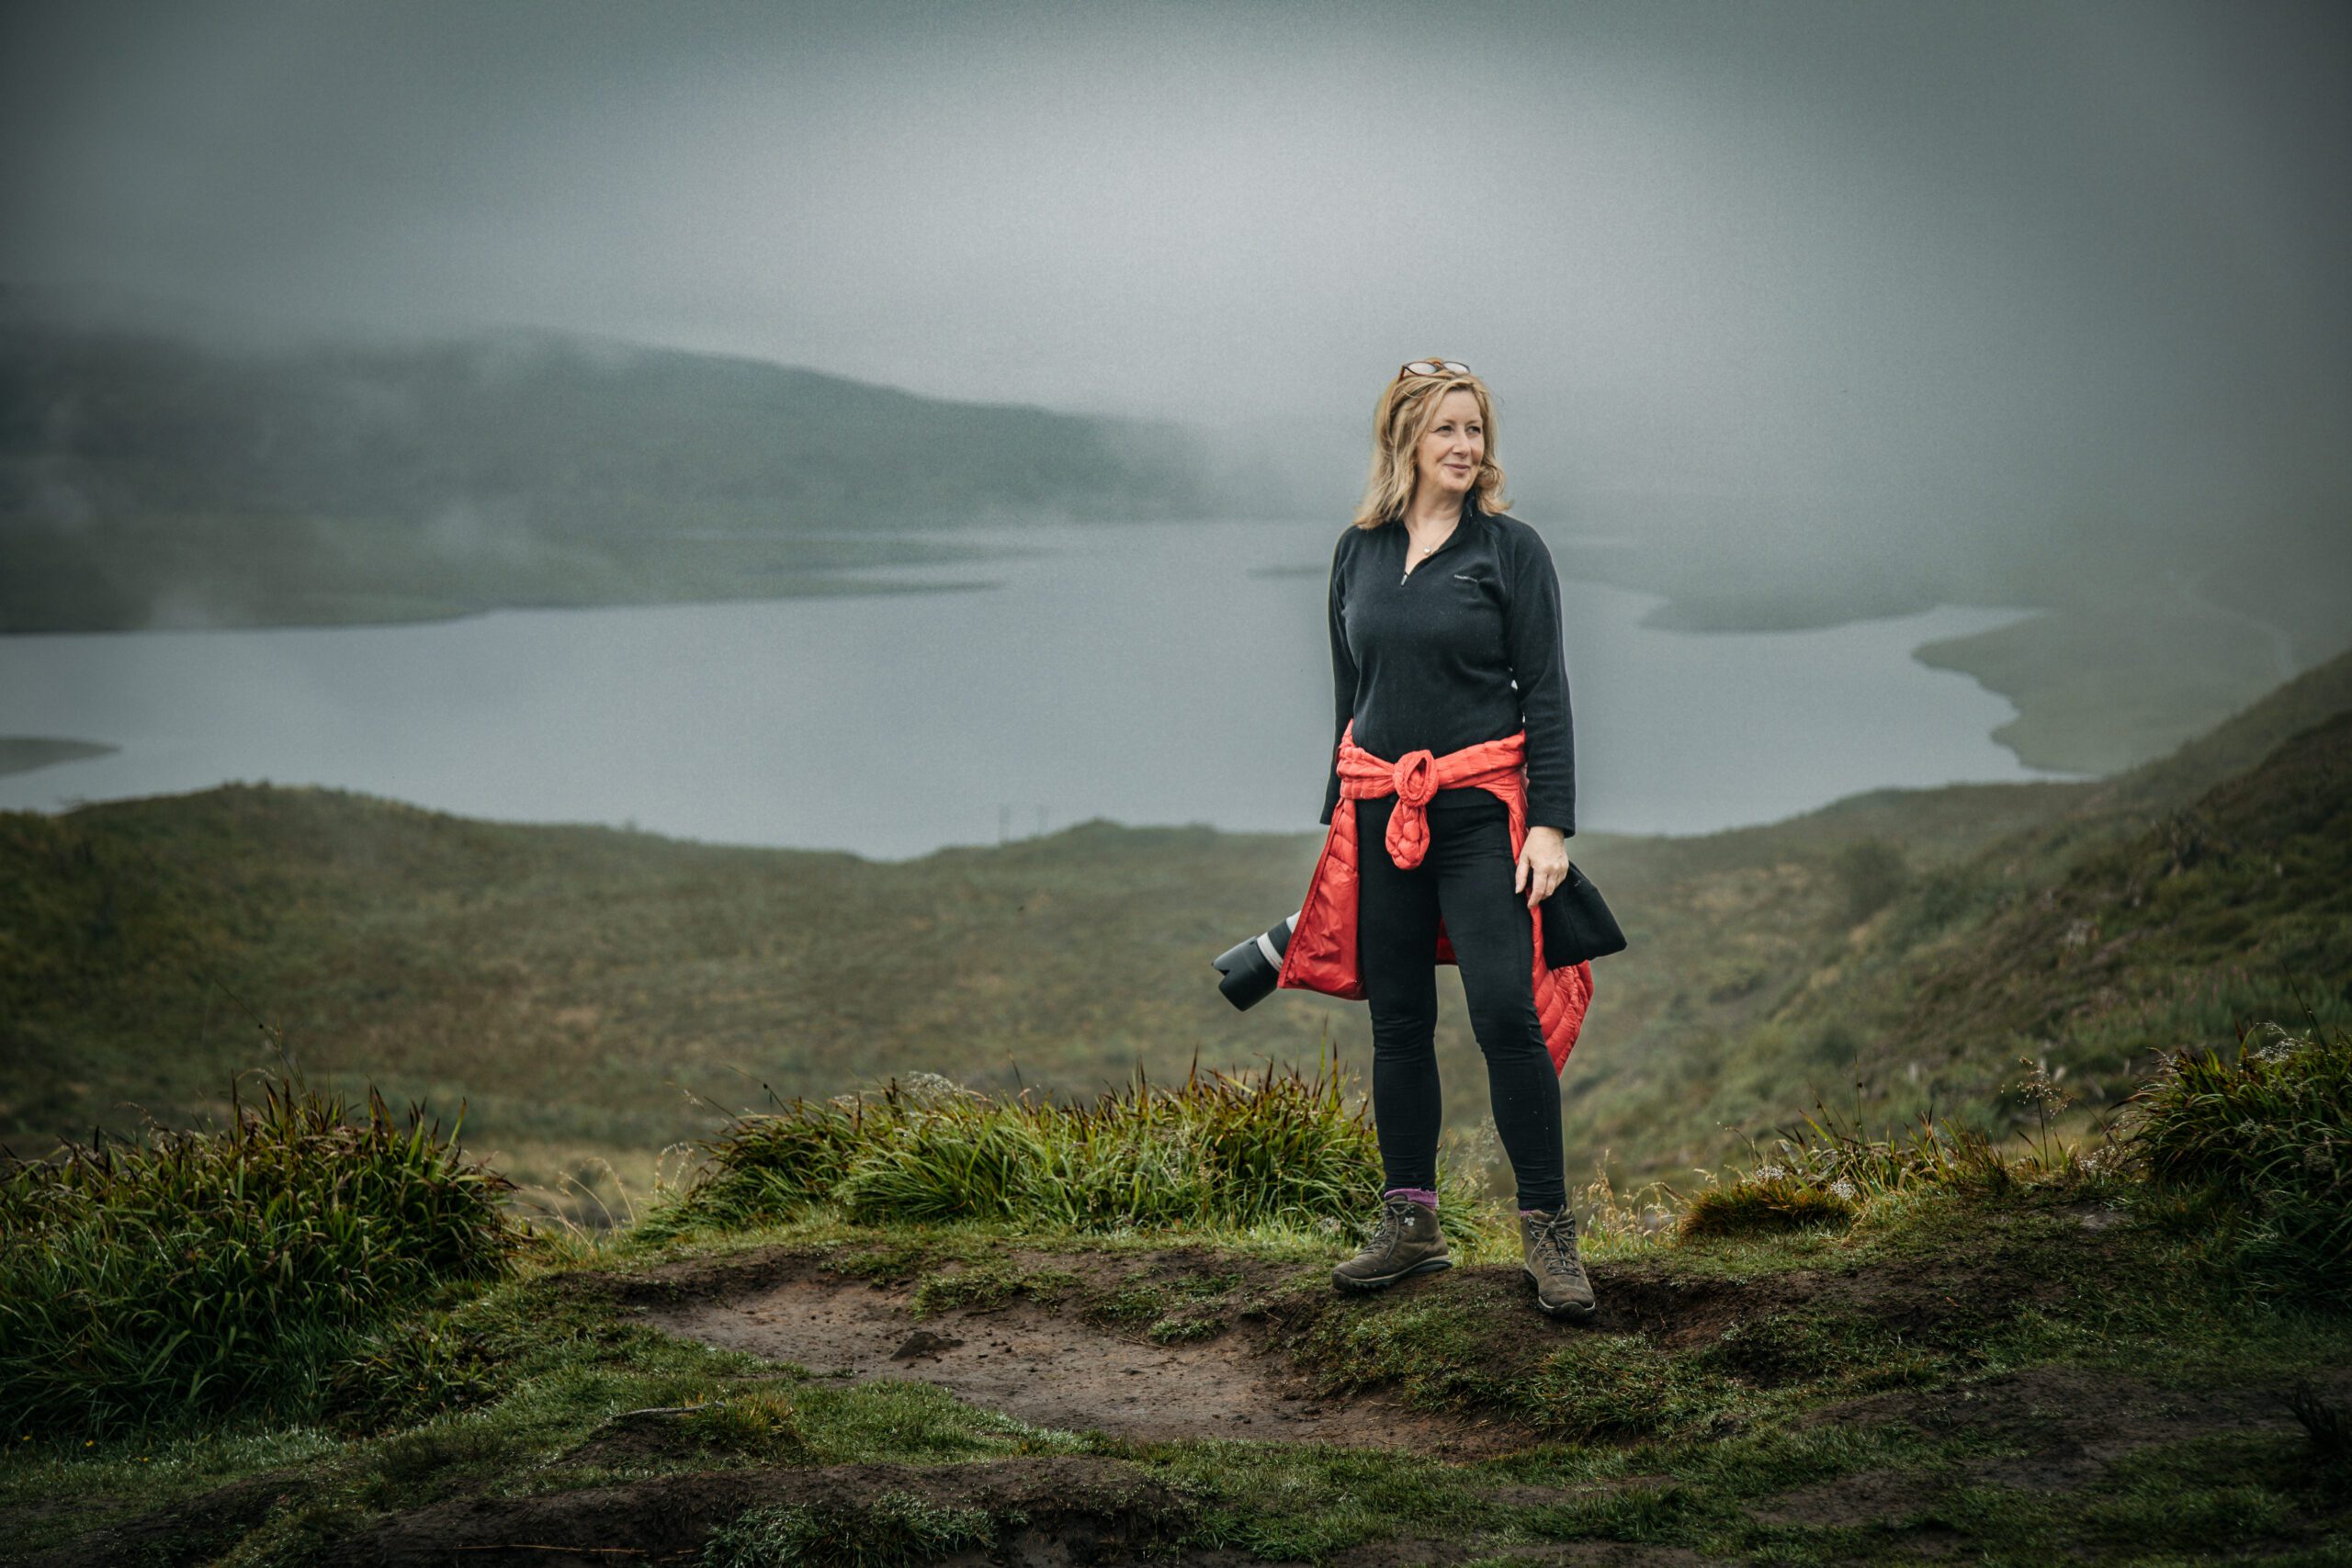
[1281, 1148]
[597, 997]
[2127, 919]
[2251, 1152]
[1921, 1377]
[2234, 905]
[894, 1527]
[200, 1273]
[1762, 1202]
[2265, 1140]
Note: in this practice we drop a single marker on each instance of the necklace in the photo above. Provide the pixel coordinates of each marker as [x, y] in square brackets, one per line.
[1427, 550]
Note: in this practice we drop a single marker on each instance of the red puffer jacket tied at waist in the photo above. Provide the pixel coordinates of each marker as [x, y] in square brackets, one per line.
[1321, 953]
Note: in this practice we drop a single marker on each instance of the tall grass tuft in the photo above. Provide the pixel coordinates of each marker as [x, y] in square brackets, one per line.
[1825, 1169]
[1281, 1147]
[2266, 1142]
[194, 1273]
[1757, 1205]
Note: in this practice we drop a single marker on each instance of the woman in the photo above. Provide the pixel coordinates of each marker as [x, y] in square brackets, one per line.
[1450, 680]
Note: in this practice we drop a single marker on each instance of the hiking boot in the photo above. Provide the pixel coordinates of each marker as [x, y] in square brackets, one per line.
[1407, 1242]
[1550, 1241]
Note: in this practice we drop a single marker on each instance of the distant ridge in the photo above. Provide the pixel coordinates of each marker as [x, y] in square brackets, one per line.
[149, 477]
[2237, 743]
[581, 433]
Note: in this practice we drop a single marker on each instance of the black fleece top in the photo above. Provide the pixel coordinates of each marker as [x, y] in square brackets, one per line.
[1465, 649]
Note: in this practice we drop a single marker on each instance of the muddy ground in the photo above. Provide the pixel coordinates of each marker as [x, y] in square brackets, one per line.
[1052, 1364]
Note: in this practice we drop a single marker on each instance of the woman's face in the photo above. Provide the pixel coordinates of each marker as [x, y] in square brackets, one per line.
[1452, 452]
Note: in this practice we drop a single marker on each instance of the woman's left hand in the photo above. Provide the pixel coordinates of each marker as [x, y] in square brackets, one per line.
[1542, 864]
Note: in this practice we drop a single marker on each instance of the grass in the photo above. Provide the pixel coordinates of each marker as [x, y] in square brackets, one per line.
[896, 1528]
[1762, 1203]
[198, 1273]
[170, 1281]
[1283, 1148]
[2260, 1146]
[1638, 1436]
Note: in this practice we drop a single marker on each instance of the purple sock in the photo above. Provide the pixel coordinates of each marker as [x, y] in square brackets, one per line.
[1421, 1195]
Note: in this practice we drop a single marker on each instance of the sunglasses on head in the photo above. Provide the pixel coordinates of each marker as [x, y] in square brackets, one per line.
[1434, 368]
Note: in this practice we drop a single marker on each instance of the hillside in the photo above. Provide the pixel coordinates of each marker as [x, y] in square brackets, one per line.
[1782, 961]
[149, 477]
[575, 985]
[2232, 906]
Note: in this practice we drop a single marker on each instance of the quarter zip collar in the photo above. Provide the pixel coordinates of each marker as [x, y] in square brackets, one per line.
[1461, 528]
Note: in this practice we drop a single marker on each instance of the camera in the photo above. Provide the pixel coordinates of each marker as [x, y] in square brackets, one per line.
[1250, 966]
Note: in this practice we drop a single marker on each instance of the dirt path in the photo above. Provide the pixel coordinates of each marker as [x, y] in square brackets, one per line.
[1051, 1365]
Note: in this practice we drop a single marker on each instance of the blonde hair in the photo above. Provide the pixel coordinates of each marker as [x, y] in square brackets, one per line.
[1407, 409]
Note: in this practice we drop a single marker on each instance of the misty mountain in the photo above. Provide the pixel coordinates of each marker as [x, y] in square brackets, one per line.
[518, 436]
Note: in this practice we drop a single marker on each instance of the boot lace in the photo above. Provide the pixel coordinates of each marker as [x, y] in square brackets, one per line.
[1556, 1236]
[1396, 1214]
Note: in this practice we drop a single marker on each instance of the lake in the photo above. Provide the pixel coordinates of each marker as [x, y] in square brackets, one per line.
[1150, 673]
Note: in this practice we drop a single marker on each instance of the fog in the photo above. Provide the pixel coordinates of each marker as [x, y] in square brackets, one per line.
[2047, 257]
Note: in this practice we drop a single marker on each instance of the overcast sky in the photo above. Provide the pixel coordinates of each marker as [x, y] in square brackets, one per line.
[1760, 247]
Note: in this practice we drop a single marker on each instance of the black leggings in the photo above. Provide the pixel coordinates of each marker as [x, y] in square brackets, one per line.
[1466, 878]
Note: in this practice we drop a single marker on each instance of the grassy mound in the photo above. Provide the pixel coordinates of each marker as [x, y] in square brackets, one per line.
[1218, 1150]
[2249, 1157]
[202, 1273]
[2260, 1150]
[1763, 1203]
